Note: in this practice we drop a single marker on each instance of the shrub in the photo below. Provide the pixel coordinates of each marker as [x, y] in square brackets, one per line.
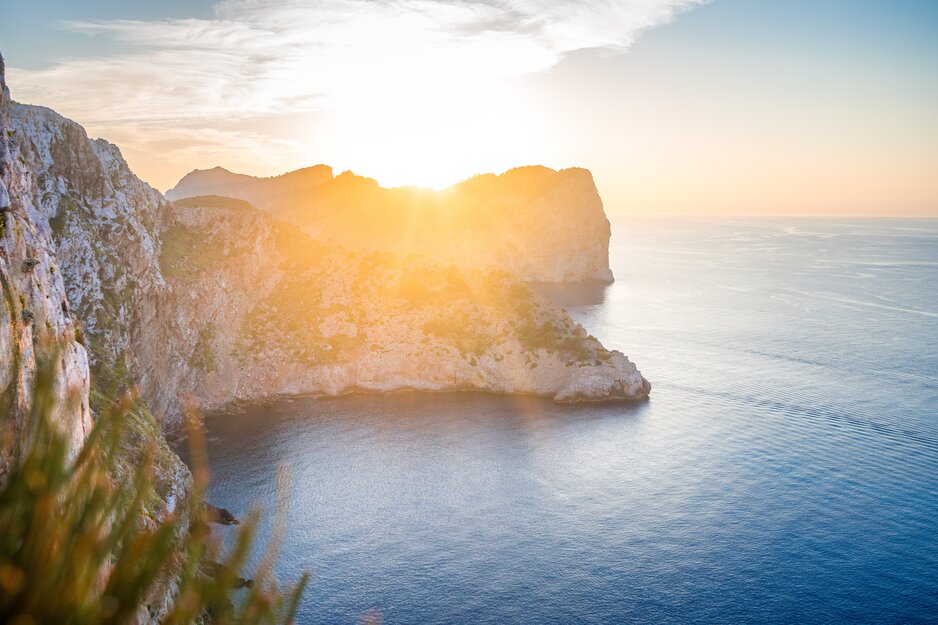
[79, 545]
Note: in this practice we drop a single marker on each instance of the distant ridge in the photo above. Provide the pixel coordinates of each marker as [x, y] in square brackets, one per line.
[535, 222]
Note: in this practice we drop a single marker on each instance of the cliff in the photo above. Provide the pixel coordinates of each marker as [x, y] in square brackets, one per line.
[269, 311]
[101, 224]
[36, 324]
[214, 300]
[536, 223]
[75, 271]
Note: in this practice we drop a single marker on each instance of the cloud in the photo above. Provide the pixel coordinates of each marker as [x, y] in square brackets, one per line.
[257, 58]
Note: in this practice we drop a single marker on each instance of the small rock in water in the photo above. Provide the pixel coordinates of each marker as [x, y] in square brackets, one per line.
[220, 515]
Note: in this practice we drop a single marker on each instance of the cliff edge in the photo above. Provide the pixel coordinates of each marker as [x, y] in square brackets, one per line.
[534, 222]
[212, 299]
[36, 324]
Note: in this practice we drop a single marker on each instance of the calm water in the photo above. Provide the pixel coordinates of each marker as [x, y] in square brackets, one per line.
[784, 471]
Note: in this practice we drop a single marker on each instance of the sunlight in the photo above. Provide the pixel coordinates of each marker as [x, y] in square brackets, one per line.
[435, 136]
[374, 286]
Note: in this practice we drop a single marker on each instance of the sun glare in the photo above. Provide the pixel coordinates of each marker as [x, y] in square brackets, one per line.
[434, 137]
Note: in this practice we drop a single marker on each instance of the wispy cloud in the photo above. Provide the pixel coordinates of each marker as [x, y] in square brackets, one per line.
[267, 57]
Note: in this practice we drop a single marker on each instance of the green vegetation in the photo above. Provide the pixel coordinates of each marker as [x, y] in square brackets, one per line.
[186, 252]
[215, 201]
[66, 207]
[539, 328]
[551, 337]
[413, 290]
[465, 334]
[81, 545]
[356, 299]
[203, 356]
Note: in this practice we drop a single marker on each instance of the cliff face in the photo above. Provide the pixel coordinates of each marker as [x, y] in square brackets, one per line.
[270, 311]
[76, 269]
[213, 300]
[534, 222]
[36, 324]
[102, 224]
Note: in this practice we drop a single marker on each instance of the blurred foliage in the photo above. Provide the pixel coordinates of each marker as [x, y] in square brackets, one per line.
[80, 544]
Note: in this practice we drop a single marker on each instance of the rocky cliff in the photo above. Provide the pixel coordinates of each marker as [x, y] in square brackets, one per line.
[74, 273]
[213, 300]
[265, 310]
[533, 222]
[36, 324]
[101, 224]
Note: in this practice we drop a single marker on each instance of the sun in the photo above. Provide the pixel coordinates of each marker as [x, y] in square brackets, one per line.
[434, 137]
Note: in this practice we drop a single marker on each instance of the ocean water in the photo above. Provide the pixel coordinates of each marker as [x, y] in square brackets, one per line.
[785, 469]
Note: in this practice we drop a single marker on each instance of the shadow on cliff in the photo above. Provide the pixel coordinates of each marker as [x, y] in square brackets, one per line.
[572, 294]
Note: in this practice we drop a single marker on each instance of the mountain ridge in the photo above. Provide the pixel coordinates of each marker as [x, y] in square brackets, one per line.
[540, 224]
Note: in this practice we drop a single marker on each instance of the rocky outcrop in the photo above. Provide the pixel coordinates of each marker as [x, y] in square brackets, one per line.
[36, 325]
[74, 264]
[536, 223]
[213, 300]
[102, 225]
[264, 310]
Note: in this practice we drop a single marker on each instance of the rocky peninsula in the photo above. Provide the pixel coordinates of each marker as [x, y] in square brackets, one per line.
[211, 300]
[214, 300]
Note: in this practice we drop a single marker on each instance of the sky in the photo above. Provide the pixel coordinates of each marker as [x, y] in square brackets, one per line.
[729, 107]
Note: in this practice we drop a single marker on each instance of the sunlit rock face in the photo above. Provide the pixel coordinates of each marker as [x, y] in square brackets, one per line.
[36, 323]
[102, 225]
[212, 300]
[265, 310]
[79, 267]
[534, 222]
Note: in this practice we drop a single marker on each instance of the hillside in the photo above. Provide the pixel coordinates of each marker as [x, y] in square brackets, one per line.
[533, 222]
[270, 311]
[217, 301]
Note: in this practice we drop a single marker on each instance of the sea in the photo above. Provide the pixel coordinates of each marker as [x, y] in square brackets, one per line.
[785, 469]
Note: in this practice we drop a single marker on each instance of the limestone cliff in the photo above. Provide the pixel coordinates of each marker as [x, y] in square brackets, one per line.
[74, 271]
[102, 225]
[214, 300]
[265, 310]
[36, 324]
[534, 222]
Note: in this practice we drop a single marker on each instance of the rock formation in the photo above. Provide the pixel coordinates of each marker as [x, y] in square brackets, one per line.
[101, 225]
[536, 223]
[35, 320]
[269, 311]
[217, 301]
[69, 238]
